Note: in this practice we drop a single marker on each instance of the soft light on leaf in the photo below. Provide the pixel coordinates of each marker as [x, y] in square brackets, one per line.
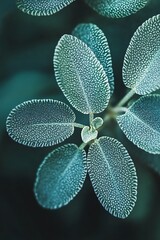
[97, 42]
[88, 134]
[80, 75]
[40, 123]
[141, 123]
[60, 176]
[97, 122]
[116, 8]
[113, 176]
[42, 7]
[141, 70]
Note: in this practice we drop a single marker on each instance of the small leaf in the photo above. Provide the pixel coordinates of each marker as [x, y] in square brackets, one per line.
[141, 123]
[42, 7]
[97, 122]
[80, 75]
[88, 134]
[116, 8]
[141, 69]
[60, 176]
[40, 123]
[95, 39]
[113, 176]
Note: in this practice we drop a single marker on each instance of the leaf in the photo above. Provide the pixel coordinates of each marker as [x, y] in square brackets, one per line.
[116, 8]
[141, 123]
[142, 59]
[88, 134]
[113, 176]
[40, 123]
[80, 75]
[42, 7]
[95, 39]
[60, 176]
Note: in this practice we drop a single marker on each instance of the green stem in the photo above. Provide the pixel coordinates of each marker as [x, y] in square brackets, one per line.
[78, 125]
[91, 117]
[126, 98]
[82, 146]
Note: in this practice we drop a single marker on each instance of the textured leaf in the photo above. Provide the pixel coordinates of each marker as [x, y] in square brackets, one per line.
[40, 123]
[42, 7]
[80, 75]
[113, 176]
[97, 42]
[60, 176]
[116, 8]
[141, 123]
[141, 70]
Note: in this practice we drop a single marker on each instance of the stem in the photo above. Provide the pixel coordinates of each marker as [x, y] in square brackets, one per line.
[91, 117]
[82, 146]
[119, 109]
[126, 98]
[78, 125]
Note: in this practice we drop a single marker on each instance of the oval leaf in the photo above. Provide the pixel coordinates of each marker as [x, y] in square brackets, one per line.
[113, 176]
[97, 42]
[141, 69]
[60, 176]
[141, 123]
[40, 123]
[42, 7]
[116, 8]
[80, 75]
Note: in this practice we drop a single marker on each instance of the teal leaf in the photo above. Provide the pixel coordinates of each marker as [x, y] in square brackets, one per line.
[116, 8]
[80, 75]
[95, 39]
[60, 176]
[141, 71]
[141, 123]
[40, 123]
[42, 7]
[113, 176]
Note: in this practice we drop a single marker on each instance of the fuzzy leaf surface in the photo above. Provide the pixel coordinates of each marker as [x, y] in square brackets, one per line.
[80, 75]
[40, 123]
[116, 8]
[141, 123]
[60, 176]
[141, 69]
[42, 7]
[113, 176]
[97, 42]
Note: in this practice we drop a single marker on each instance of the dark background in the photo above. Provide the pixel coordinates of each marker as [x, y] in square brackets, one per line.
[26, 71]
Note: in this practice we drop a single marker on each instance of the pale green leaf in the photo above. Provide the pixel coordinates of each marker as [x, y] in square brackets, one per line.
[40, 123]
[141, 70]
[80, 75]
[97, 42]
[116, 8]
[113, 176]
[141, 123]
[88, 134]
[97, 122]
[42, 7]
[60, 176]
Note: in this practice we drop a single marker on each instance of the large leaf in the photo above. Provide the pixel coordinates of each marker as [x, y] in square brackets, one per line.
[116, 8]
[97, 42]
[80, 75]
[141, 123]
[113, 176]
[141, 70]
[40, 123]
[42, 7]
[60, 176]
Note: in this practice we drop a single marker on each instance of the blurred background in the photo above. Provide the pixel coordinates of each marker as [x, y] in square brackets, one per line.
[26, 72]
